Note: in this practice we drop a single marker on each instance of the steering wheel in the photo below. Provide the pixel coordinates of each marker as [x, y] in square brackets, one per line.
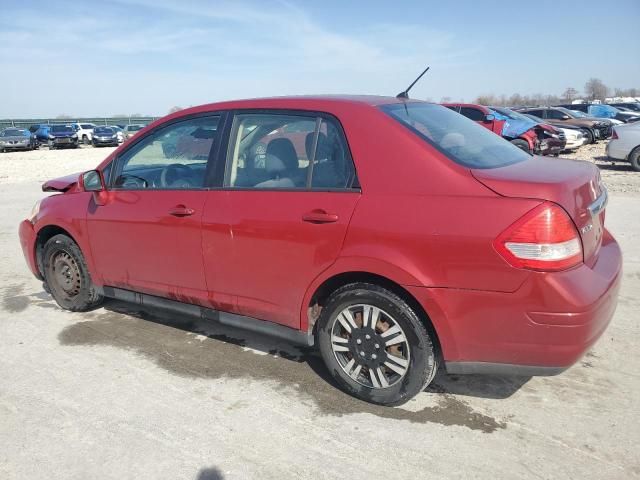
[179, 170]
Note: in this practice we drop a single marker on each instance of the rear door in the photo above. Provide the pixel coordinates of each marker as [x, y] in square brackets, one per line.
[290, 188]
[147, 236]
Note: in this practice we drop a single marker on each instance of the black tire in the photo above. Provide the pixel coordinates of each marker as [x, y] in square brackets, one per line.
[521, 144]
[67, 276]
[634, 159]
[422, 361]
[85, 139]
[591, 138]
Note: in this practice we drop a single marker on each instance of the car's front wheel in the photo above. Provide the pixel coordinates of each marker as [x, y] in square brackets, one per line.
[374, 344]
[521, 144]
[634, 159]
[67, 276]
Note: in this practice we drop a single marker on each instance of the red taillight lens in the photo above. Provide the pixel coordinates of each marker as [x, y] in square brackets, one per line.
[614, 135]
[544, 239]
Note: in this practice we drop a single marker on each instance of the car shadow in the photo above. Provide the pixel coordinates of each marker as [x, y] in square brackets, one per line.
[210, 473]
[481, 386]
[606, 163]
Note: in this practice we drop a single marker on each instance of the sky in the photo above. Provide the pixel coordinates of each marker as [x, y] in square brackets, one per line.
[108, 57]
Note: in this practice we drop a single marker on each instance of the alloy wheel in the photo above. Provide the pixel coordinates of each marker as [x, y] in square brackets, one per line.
[370, 346]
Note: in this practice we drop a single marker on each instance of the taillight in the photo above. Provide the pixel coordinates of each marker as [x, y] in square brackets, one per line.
[614, 135]
[545, 238]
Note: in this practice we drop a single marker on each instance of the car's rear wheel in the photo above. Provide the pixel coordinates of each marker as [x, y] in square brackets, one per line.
[521, 144]
[374, 344]
[634, 159]
[67, 276]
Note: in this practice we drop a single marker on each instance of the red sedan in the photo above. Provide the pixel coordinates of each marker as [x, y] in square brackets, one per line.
[393, 234]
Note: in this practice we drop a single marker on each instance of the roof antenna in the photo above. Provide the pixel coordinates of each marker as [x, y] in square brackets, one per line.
[405, 94]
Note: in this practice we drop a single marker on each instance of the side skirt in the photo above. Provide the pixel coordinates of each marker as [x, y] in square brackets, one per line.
[230, 319]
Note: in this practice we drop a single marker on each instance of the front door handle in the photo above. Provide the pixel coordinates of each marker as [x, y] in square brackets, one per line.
[319, 216]
[181, 211]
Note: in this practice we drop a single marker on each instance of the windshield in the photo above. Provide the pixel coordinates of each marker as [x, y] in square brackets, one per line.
[134, 128]
[103, 130]
[61, 129]
[577, 114]
[462, 140]
[14, 132]
[86, 126]
[510, 113]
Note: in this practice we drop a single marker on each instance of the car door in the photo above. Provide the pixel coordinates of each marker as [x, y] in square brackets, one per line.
[290, 189]
[147, 236]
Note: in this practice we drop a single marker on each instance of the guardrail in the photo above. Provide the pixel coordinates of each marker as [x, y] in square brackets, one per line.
[27, 122]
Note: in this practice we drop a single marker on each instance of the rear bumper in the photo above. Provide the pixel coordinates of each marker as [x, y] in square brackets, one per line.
[28, 243]
[542, 328]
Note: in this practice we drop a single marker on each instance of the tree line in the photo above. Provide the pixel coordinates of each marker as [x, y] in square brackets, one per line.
[594, 89]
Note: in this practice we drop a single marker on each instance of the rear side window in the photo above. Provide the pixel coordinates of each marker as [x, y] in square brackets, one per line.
[463, 141]
[284, 151]
[472, 114]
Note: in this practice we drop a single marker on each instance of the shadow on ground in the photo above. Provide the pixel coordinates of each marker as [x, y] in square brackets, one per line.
[191, 347]
[211, 473]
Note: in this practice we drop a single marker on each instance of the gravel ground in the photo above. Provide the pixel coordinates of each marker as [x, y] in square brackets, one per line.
[123, 393]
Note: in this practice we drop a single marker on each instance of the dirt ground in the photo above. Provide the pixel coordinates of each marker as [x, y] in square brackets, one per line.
[123, 393]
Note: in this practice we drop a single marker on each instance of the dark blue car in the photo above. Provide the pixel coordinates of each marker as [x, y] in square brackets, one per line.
[62, 136]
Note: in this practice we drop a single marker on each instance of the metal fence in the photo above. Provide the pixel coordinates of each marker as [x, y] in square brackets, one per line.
[27, 122]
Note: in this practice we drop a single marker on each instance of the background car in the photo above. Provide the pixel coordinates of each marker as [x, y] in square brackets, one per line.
[131, 130]
[119, 132]
[574, 136]
[633, 106]
[62, 136]
[17, 139]
[104, 137]
[519, 133]
[42, 134]
[625, 144]
[593, 128]
[551, 140]
[600, 110]
[84, 131]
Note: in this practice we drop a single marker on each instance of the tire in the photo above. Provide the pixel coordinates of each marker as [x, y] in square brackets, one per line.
[634, 159]
[521, 144]
[591, 138]
[85, 139]
[67, 276]
[412, 347]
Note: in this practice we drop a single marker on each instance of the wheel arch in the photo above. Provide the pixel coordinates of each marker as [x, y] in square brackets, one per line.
[323, 290]
[43, 235]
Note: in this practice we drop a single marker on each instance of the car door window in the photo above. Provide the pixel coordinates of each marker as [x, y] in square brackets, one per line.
[172, 157]
[472, 113]
[332, 166]
[555, 114]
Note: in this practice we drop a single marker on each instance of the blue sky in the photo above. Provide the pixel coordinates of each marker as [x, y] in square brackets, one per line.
[145, 56]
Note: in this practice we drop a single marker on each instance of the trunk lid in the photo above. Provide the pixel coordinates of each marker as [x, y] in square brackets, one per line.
[573, 184]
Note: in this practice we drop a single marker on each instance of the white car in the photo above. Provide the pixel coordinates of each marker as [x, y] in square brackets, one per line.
[625, 144]
[574, 136]
[84, 132]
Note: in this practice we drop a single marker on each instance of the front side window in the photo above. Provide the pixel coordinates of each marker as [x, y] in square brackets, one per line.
[472, 114]
[173, 157]
[463, 141]
[282, 151]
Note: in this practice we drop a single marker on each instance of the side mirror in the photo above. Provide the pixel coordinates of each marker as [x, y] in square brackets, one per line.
[489, 118]
[92, 181]
[566, 117]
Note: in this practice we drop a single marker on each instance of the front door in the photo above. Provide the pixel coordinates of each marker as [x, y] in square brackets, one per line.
[147, 236]
[291, 189]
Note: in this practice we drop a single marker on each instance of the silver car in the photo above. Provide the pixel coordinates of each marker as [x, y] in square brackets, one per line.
[625, 144]
[17, 139]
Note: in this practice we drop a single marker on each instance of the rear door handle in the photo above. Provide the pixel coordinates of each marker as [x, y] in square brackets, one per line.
[320, 216]
[181, 211]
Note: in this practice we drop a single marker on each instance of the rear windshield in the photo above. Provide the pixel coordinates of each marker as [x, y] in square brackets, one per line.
[134, 128]
[462, 140]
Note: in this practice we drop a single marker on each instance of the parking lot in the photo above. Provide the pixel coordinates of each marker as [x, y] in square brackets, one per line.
[124, 393]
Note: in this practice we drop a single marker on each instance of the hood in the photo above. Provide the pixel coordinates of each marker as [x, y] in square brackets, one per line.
[61, 184]
[513, 127]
